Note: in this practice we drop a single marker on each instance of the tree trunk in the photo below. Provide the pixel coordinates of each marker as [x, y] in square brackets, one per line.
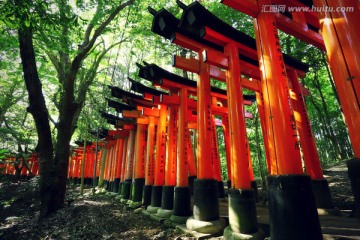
[37, 108]
[331, 80]
[332, 137]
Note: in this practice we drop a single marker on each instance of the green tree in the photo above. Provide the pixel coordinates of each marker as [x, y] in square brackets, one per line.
[68, 43]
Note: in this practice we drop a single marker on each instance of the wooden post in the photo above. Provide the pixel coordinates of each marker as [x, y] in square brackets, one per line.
[150, 154]
[170, 167]
[287, 184]
[204, 158]
[282, 126]
[182, 138]
[342, 41]
[238, 137]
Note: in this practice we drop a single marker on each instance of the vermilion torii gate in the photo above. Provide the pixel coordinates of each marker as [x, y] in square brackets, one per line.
[332, 30]
[206, 31]
[180, 85]
[225, 54]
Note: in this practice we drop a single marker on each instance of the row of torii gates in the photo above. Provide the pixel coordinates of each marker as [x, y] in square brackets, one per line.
[150, 158]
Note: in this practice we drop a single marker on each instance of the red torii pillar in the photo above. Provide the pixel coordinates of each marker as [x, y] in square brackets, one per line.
[129, 164]
[139, 165]
[77, 166]
[167, 199]
[215, 155]
[159, 173]
[241, 196]
[182, 205]
[150, 161]
[123, 165]
[138, 171]
[206, 202]
[122, 138]
[35, 166]
[288, 184]
[112, 167]
[341, 37]
[107, 164]
[119, 153]
[310, 154]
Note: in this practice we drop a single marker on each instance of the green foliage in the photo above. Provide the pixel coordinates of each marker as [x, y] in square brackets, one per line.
[60, 34]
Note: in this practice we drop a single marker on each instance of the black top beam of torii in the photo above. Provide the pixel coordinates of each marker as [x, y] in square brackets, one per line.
[119, 106]
[141, 88]
[138, 91]
[193, 21]
[112, 119]
[101, 133]
[156, 74]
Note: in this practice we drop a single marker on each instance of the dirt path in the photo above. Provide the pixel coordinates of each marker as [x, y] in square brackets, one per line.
[103, 217]
[340, 187]
[84, 217]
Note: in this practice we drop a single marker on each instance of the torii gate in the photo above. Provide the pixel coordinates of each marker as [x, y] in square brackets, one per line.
[175, 83]
[207, 30]
[338, 34]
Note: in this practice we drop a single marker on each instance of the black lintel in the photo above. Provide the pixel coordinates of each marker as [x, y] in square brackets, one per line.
[112, 118]
[119, 106]
[81, 143]
[155, 74]
[120, 93]
[102, 133]
[166, 25]
[141, 88]
[196, 17]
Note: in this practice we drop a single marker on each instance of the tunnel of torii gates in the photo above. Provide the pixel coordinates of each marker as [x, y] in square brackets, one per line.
[152, 158]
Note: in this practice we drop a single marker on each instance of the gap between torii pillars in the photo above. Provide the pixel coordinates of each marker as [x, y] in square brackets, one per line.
[191, 160]
[226, 134]
[292, 208]
[342, 41]
[310, 154]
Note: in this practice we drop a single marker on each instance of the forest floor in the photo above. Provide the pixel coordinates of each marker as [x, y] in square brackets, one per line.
[103, 217]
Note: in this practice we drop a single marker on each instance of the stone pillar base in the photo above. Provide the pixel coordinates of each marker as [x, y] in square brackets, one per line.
[292, 208]
[230, 235]
[208, 227]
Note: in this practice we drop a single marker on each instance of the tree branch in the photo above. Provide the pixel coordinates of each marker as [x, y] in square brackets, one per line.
[54, 60]
[101, 28]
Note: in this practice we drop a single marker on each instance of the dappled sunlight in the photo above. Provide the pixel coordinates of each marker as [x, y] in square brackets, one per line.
[97, 203]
